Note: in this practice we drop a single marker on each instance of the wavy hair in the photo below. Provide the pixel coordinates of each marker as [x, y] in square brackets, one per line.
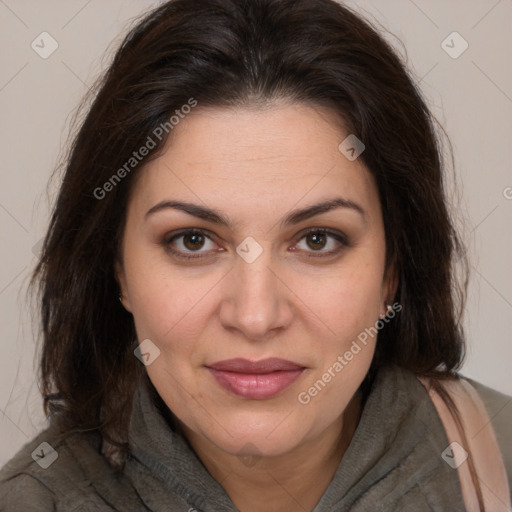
[239, 53]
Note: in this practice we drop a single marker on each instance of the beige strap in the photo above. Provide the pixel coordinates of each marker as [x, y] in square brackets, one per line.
[483, 446]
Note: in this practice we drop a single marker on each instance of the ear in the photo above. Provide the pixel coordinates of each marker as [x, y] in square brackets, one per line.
[389, 286]
[120, 277]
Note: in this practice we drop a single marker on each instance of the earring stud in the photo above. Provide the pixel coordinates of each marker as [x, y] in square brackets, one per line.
[389, 307]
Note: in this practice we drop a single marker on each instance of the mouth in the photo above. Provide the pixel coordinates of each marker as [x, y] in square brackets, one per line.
[257, 380]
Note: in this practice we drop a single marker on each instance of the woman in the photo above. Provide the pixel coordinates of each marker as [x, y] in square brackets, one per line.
[247, 286]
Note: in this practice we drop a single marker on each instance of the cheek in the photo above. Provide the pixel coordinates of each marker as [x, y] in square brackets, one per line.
[350, 309]
[351, 297]
[163, 300]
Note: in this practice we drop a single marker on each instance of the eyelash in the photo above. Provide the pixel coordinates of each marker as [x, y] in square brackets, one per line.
[322, 231]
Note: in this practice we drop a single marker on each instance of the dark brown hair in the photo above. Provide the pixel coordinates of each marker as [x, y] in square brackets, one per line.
[239, 53]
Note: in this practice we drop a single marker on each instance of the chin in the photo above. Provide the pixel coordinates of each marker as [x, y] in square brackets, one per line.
[259, 446]
[262, 439]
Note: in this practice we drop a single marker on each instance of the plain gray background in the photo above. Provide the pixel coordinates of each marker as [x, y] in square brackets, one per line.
[470, 95]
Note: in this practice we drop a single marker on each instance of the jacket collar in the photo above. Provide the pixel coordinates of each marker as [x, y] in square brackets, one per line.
[394, 456]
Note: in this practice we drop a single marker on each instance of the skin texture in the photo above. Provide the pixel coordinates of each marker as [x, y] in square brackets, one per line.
[256, 165]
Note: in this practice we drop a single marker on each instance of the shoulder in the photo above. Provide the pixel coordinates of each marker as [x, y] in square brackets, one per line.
[24, 492]
[485, 415]
[45, 475]
[499, 408]
[20, 487]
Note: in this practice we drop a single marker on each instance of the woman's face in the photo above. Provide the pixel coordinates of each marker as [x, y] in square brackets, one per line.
[256, 286]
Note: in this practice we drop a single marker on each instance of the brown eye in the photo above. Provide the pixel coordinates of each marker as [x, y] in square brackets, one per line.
[189, 243]
[316, 240]
[193, 241]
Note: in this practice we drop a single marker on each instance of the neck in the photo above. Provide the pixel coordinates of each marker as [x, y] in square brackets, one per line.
[292, 481]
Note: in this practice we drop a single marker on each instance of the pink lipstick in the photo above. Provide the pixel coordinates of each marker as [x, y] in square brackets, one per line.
[255, 380]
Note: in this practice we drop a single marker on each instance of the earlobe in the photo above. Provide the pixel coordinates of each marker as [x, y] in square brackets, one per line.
[393, 282]
[390, 285]
[121, 281]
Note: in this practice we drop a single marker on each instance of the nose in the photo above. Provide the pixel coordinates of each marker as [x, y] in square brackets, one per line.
[256, 301]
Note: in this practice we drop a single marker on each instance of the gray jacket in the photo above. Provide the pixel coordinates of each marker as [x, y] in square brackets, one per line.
[393, 463]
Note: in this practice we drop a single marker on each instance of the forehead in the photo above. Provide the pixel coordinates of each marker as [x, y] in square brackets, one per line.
[240, 159]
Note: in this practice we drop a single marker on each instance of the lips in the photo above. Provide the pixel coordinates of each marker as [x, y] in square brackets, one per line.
[255, 379]
[269, 365]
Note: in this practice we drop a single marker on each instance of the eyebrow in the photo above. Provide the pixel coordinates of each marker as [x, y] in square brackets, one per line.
[295, 217]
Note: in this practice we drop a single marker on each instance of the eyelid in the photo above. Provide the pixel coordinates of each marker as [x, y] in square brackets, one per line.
[340, 237]
[168, 239]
